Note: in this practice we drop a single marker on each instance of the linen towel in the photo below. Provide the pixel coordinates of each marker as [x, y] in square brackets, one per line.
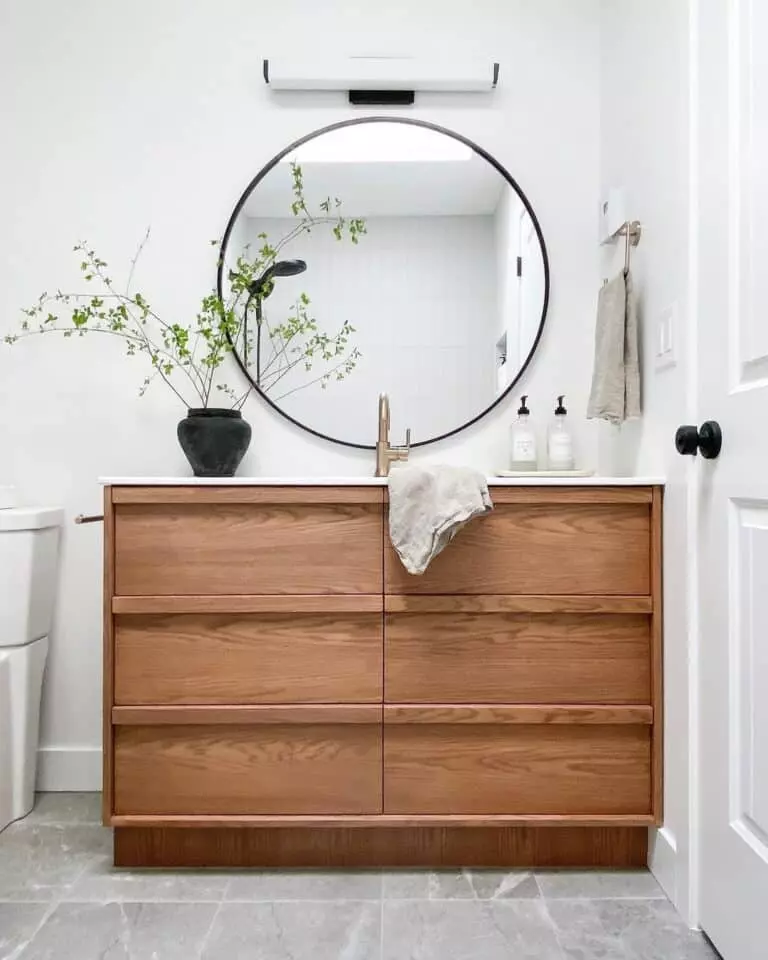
[615, 394]
[428, 506]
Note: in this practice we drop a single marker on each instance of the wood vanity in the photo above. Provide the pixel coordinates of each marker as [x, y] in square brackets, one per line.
[279, 691]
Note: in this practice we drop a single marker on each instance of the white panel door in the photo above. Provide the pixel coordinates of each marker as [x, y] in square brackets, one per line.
[730, 103]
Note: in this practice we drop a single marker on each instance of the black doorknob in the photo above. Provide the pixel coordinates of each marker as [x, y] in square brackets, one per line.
[708, 439]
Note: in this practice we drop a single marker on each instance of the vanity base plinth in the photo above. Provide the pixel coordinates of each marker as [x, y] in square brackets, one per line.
[381, 847]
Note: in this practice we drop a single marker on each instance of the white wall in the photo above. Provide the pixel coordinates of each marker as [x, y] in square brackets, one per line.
[645, 148]
[118, 116]
[421, 295]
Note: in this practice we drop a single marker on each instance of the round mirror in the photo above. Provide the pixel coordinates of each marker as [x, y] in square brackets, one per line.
[386, 256]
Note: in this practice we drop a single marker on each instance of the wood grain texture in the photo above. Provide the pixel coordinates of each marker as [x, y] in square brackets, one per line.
[517, 658]
[537, 769]
[244, 603]
[570, 494]
[365, 821]
[592, 549]
[248, 658]
[406, 603]
[108, 666]
[479, 713]
[285, 769]
[248, 549]
[298, 496]
[657, 655]
[523, 681]
[380, 847]
[290, 714]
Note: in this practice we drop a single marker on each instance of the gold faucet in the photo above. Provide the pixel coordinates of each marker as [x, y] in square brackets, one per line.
[386, 455]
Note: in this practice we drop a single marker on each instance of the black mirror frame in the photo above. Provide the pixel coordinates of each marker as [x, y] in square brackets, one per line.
[416, 123]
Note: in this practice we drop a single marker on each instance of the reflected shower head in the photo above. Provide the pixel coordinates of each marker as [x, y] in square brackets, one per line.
[283, 268]
[287, 268]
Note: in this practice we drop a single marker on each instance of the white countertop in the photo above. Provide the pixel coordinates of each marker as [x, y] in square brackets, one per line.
[532, 481]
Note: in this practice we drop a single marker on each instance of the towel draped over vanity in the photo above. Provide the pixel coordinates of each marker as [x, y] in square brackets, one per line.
[428, 505]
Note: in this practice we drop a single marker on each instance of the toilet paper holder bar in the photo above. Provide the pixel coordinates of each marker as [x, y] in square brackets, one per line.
[92, 518]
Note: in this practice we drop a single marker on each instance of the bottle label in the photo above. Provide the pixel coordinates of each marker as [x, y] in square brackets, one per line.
[523, 448]
[560, 448]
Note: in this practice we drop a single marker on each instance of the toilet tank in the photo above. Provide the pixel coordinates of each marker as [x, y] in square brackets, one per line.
[29, 547]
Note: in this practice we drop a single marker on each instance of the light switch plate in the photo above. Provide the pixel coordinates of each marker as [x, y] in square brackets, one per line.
[666, 337]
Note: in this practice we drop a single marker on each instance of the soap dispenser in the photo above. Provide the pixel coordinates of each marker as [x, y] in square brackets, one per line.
[523, 440]
[559, 442]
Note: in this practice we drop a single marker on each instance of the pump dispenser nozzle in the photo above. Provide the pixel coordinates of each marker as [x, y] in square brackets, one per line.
[523, 410]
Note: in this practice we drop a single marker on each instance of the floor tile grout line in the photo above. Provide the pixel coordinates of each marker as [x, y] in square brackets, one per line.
[179, 900]
[660, 899]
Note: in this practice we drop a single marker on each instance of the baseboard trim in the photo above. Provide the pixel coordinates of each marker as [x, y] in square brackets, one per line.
[662, 860]
[64, 769]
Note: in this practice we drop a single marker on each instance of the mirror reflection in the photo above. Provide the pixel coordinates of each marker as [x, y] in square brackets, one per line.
[389, 257]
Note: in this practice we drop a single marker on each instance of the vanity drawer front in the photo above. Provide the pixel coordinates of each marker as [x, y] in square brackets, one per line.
[517, 769]
[459, 657]
[248, 548]
[540, 549]
[242, 658]
[248, 770]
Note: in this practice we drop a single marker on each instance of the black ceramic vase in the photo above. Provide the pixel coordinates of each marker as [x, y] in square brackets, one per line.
[214, 440]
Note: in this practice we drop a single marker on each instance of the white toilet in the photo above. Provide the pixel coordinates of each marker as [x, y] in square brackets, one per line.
[29, 543]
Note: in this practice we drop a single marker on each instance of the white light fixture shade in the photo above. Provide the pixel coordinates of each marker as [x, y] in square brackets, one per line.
[382, 73]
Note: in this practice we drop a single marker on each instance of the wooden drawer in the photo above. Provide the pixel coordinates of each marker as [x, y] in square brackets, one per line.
[274, 542]
[515, 768]
[496, 657]
[542, 548]
[248, 658]
[242, 769]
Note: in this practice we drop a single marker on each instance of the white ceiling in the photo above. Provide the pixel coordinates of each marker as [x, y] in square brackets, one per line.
[384, 188]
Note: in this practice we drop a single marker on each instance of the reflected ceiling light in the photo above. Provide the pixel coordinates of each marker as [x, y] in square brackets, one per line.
[381, 143]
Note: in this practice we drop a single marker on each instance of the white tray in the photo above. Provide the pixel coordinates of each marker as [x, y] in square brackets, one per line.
[545, 473]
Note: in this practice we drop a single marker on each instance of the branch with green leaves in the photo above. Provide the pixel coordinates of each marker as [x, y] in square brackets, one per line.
[188, 357]
[130, 317]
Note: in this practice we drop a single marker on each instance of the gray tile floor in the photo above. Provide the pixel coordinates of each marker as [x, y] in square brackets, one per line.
[61, 900]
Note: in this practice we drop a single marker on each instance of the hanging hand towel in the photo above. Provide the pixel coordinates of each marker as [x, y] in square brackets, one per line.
[428, 506]
[615, 394]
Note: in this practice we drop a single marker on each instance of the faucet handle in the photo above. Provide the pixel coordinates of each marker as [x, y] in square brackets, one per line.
[408, 439]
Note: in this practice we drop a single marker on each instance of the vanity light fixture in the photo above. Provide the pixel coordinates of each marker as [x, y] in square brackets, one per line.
[382, 80]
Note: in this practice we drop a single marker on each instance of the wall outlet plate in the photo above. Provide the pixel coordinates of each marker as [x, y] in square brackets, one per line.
[666, 337]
